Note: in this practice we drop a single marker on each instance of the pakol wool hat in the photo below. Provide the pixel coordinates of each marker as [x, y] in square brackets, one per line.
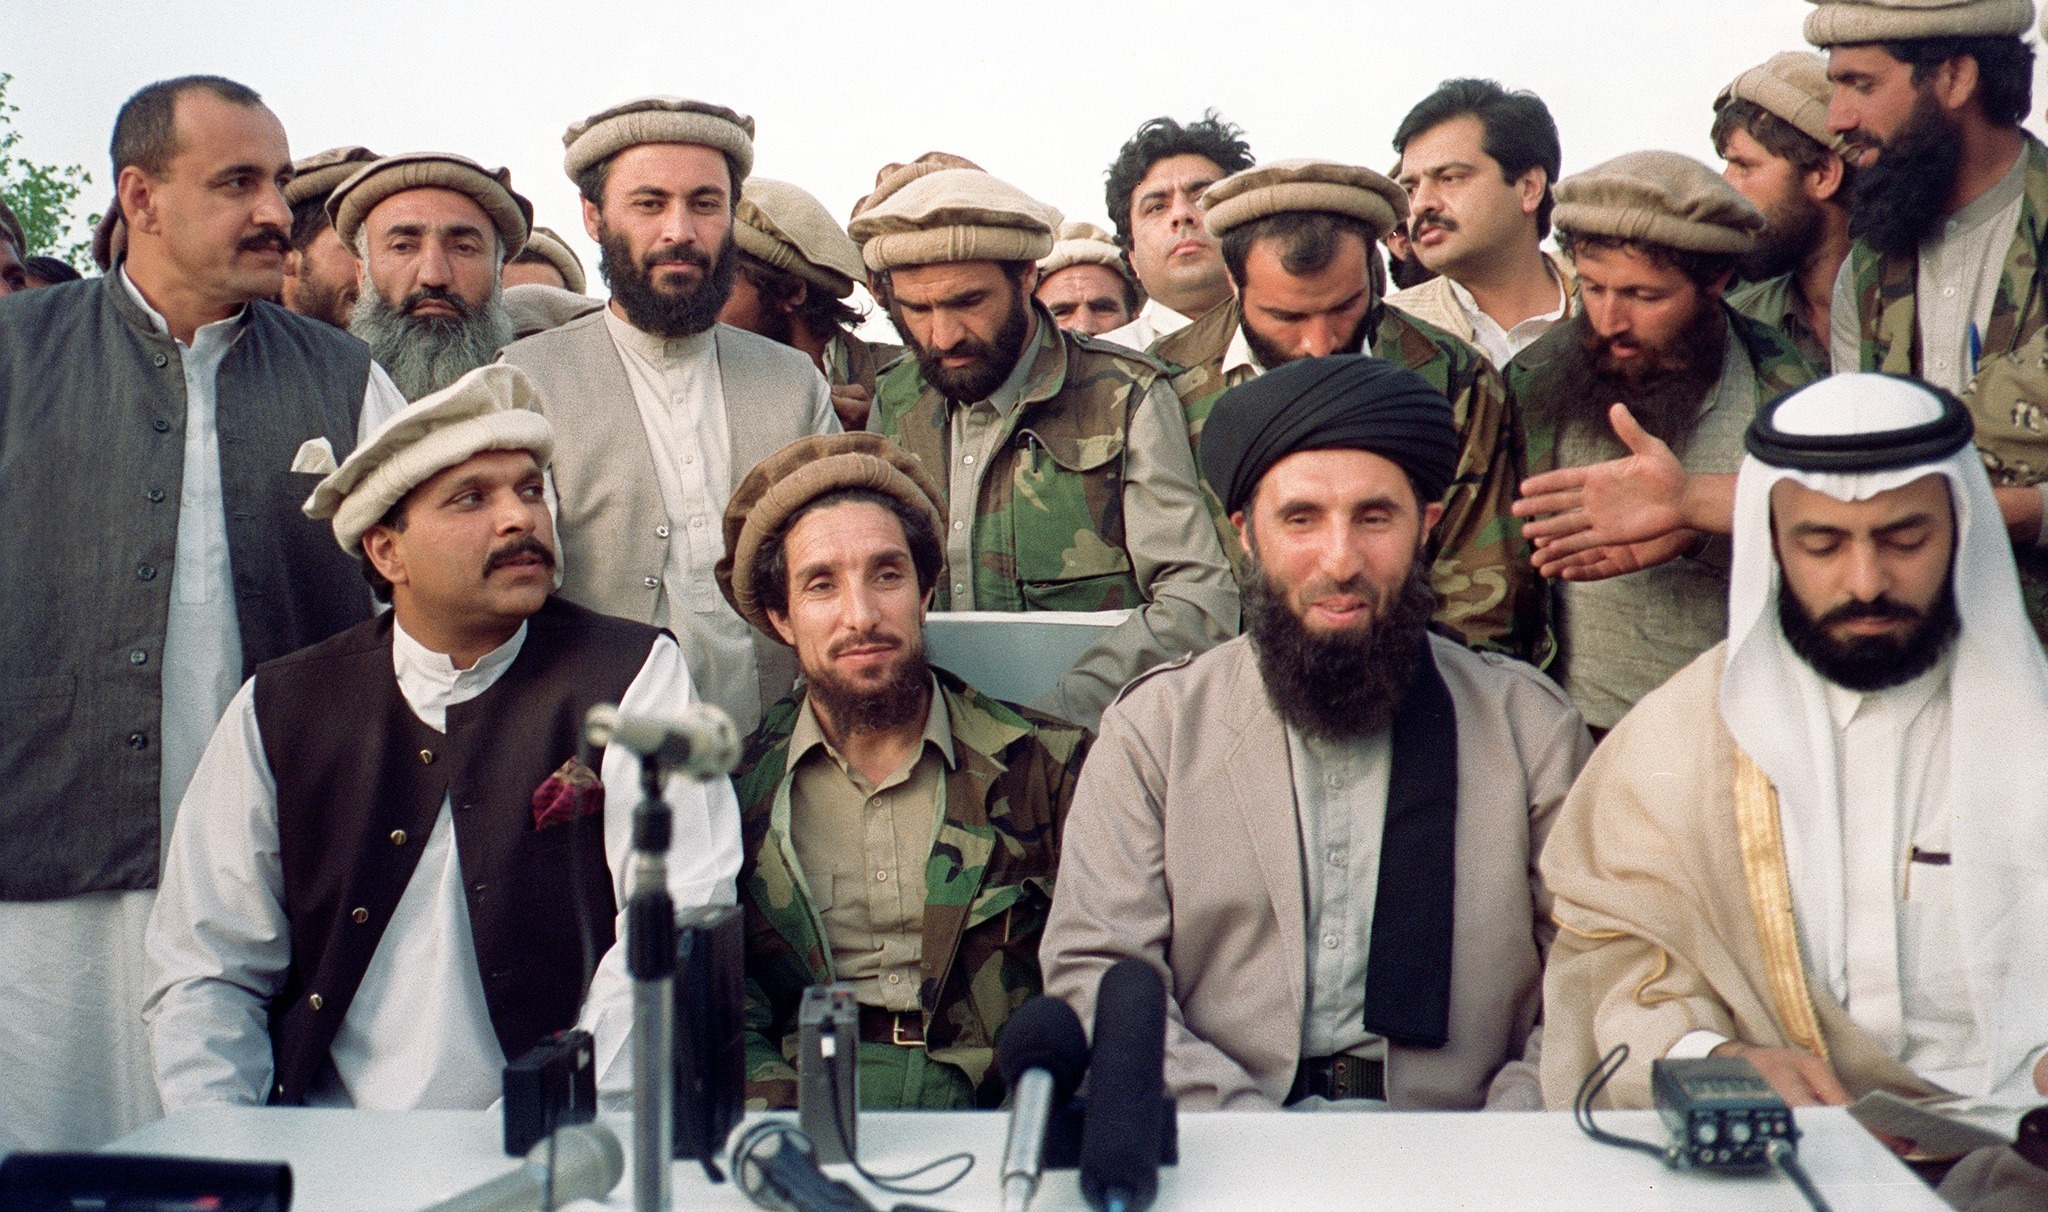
[1078, 243]
[892, 177]
[352, 200]
[545, 244]
[1658, 197]
[1304, 185]
[952, 214]
[315, 177]
[1792, 87]
[1842, 22]
[791, 230]
[493, 407]
[659, 120]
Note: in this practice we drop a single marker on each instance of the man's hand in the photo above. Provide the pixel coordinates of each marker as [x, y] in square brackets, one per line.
[852, 402]
[1600, 563]
[1800, 1078]
[1636, 499]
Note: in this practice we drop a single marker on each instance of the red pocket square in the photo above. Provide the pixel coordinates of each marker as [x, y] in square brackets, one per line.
[568, 793]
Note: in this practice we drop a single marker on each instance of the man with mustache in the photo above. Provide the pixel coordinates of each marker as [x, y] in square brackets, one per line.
[1840, 873]
[432, 231]
[1299, 240]
[1063, 461]
[1771, 130]
[903, 828]
[321, 274]
[1291, 824]
[1654, 237]
[1086, 282]
[149, 421]
[658, 408]
[372, 896]
[1153, 193]
[1478, 163]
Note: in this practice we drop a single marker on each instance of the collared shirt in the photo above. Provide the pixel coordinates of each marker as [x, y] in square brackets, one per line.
[1340, 804]
[863, 847]
[978, 431]
[681, 397]
[1240, 364]
[1501, 345]
[1153, 321]
[202, 637]
[418, 1032]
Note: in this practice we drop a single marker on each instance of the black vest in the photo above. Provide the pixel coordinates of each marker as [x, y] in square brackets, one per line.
[92, 458]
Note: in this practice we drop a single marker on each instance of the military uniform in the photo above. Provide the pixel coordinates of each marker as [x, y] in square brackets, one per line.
[988, 886]
[1487, 592]
[852, 362]
[1775, 302]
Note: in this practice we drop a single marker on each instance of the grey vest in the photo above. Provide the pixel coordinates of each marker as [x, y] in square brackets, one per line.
[92, 444]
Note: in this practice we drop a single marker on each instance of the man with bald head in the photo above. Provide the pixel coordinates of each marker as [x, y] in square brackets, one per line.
[150, 557]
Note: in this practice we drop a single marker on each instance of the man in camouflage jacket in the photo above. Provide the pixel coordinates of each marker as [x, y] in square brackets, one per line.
[910, 853]
[1298, 239]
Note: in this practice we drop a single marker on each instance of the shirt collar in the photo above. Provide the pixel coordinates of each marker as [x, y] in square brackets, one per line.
[657, 349]
[938, 733]
[200, 336]
[1986, 205]
[1902, 702]
[1162, 318]
[1470, 305]
[423, 672]
[1238, 355]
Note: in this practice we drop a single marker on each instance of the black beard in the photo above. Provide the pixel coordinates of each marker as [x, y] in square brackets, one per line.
[997, 358]
[1345, 685]
[680, 312]
[1271, 356]
[1664, 396]
[1872, 662]
[1790, 234]
[1900, 197]
[424, 354]
[892, 705]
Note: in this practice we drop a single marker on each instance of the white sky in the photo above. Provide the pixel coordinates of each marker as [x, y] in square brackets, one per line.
[1041, 95]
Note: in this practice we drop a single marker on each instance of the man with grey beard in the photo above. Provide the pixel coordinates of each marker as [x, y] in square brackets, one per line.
[432, 231]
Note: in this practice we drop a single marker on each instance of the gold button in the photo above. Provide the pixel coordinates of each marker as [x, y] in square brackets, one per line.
[398, 837]
[426, 757]
[360, 915]
[314, 1001]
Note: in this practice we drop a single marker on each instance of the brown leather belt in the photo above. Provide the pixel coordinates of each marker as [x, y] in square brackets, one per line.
[1340, 1076]
[903, 1028]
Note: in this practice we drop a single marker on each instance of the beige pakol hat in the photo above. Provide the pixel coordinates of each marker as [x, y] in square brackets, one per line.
[315, 177]
[1305, 185]
[545, 244]
[952, 214]
[792, 478]
[1841, 22]
[1793, 87]
[791, 230]
[1078, 243]
[892, 177]
[658, 120]
[1658, 197]
[493, 407]
[352, 200]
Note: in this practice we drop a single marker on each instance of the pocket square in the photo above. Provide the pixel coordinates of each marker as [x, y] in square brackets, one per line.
[570, 792]
[316, 455]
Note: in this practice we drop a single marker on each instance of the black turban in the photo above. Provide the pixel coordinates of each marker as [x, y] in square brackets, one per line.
[1343, 402]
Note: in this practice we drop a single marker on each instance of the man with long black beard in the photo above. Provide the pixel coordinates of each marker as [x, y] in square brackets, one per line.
[658, 408]
[885, 799]
[1292, 824]
[432, 232]
[1656, 355]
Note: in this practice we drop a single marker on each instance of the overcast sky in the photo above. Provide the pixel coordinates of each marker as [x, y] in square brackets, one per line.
[1041, 95]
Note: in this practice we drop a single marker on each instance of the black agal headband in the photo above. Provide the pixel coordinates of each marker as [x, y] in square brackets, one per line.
[1884, 450]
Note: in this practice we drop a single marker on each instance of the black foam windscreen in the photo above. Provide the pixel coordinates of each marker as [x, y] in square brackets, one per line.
[1044, 1033]
[1122, 1138]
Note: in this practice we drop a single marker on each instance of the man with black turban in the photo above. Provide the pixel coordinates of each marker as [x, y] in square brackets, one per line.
[1345, 809]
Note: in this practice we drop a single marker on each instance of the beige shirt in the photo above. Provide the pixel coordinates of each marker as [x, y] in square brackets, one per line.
[863, 847]
[1153, 321]
[1340, 803]
[977, 434]
[1502, 344]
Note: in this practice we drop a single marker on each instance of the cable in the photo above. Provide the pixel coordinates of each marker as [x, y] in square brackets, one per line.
[892, 1183]
[1582, 1107]
[1787, 1161]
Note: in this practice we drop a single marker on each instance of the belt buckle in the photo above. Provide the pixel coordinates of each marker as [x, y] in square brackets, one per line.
[896, 1031]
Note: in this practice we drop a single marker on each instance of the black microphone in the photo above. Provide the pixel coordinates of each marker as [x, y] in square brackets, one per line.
[1121, 1140]
[1042, 1055]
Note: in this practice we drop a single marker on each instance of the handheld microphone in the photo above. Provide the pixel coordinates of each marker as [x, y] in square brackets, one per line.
[1042, 1056]
[588, 1164]
[699, 740]
[1122, 1139]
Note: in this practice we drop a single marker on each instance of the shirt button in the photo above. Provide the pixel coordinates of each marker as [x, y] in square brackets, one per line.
[689, 459]
[895, 978]
[959, 588]
[661, 532]
[426, 757]
[155, 496]
[138, 740]
[398, 837]
[138, 657]
[881, 877]
[160, 425]
[359, 915]
[650, 582]
[967, 459]
[315, 1001]
[1948, 292]
[145, 572]
[1336, 857]
[161, 360]
[1330, 942]
[959, 525]
[696, 523]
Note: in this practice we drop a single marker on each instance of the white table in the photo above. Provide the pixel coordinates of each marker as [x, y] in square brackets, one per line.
[367, 1161]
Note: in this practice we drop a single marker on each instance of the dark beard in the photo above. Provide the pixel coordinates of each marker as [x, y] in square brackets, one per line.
[1271, 356]
[894, 704]
[1902, 194]
[1664, 394]
[1790, 234]
[996, 359]
[1346, 685]
[424, 354]
[679, 312]
[320, 301]
[1872, 662]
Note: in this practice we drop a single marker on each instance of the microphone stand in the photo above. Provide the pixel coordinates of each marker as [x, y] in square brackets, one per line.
[651, 962]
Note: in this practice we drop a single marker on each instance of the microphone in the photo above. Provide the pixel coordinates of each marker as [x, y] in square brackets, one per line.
[1042, 1056]
[1123, 1137]
[699, 740]
[588, 1164]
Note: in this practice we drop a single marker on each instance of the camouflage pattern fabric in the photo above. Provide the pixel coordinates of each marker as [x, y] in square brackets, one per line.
[1775, 302]
[2009, 393]
[1488, 595]
[1049, 524]
[988, 884]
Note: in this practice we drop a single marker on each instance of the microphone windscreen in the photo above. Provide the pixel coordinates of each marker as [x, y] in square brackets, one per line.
[1124, 1133]
[1044, 1033]
[589, 1161]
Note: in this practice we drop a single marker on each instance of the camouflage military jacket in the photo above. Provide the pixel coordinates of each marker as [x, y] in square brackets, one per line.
[988, 885]
[1776, 302]
[1487, 592]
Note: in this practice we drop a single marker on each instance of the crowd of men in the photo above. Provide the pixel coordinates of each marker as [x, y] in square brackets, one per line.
[364, 503]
